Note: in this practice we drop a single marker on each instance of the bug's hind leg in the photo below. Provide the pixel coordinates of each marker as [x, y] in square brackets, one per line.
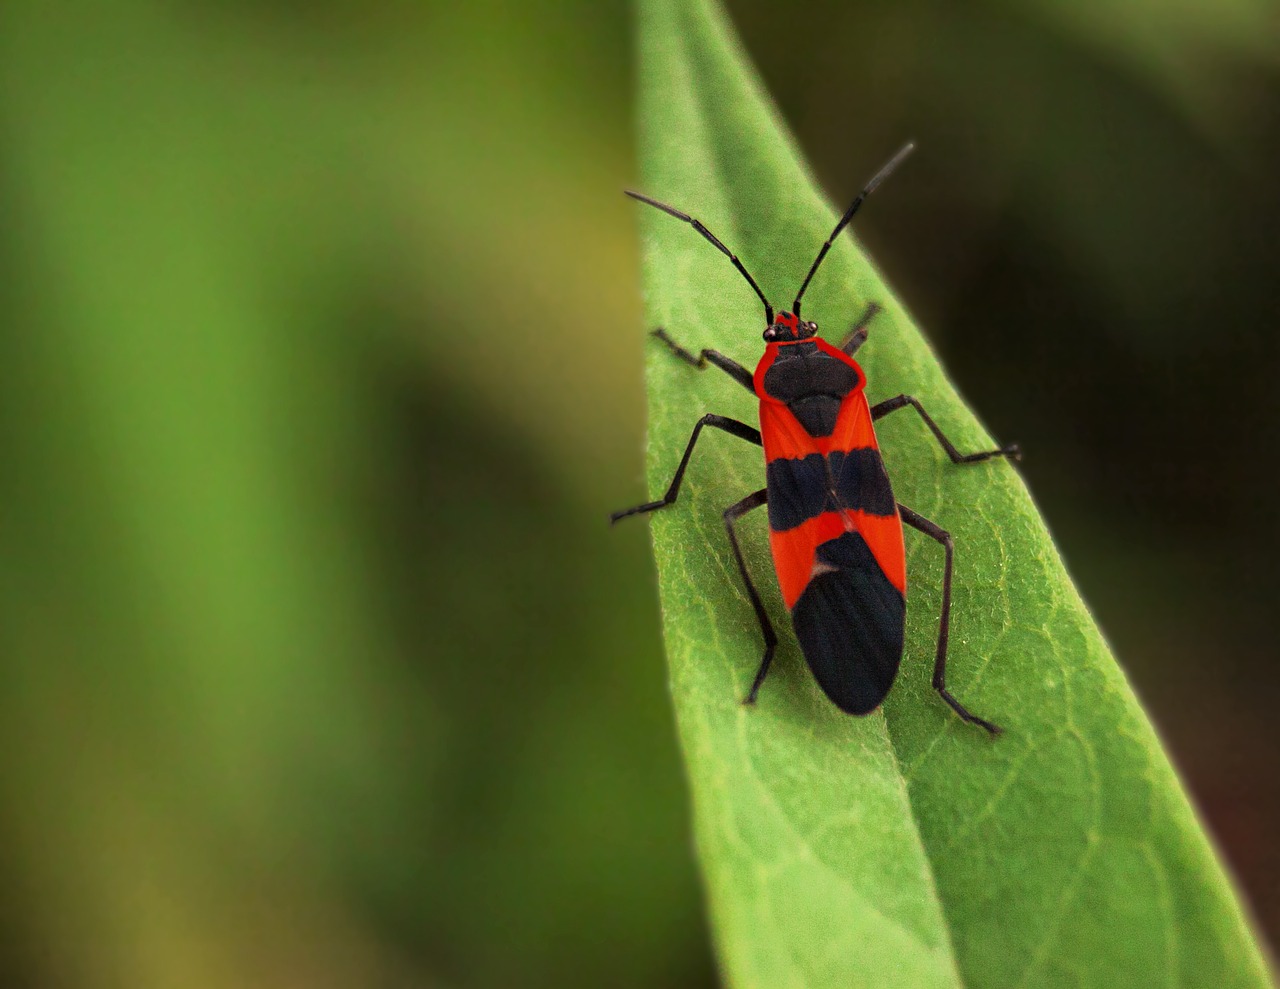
[933, 531]
[731, 515]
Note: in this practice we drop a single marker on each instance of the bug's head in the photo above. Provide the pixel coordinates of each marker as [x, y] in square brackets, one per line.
[788, 328]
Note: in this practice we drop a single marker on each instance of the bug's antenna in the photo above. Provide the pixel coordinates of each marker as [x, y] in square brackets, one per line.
[697, 225]
[879, 177]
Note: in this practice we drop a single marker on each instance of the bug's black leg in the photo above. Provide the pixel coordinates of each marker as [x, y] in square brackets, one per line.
[1012, 451]
[731, 515]
[739, 429]
[934, 531]
[731, 367]
[858, 335]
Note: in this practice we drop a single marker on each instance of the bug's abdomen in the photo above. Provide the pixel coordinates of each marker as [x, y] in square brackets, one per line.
[837, 549]
[801, 488]
[849, 622]
[806, 511]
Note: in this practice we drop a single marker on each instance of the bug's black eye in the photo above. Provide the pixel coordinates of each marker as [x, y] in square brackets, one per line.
[813, 327]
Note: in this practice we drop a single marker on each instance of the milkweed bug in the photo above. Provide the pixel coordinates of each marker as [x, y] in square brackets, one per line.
[835, 529]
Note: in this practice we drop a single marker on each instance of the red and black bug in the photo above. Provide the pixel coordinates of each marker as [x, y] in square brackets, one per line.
[835, 529]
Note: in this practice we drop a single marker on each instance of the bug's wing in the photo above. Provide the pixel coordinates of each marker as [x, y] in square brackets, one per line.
[849, 618]
[837, 548]
[849, 622]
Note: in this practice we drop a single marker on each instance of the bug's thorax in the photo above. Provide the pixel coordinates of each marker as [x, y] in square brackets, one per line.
[811, 378]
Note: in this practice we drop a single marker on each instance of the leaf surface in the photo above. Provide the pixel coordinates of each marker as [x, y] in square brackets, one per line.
[905, 848]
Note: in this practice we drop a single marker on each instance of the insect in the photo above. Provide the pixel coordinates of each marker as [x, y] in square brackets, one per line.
[835, 528]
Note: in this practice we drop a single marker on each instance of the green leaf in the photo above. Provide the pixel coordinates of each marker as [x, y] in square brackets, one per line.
[905, 848]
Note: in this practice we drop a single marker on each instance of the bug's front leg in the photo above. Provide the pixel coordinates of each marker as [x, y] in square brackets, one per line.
[727, 364]
[858, 335]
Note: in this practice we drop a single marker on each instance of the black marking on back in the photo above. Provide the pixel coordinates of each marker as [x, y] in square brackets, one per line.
[817, 414]
[802, 488]
[849, 622]
[812, 383]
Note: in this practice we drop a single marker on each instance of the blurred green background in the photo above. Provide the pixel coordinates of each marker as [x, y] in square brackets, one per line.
[320, 342]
